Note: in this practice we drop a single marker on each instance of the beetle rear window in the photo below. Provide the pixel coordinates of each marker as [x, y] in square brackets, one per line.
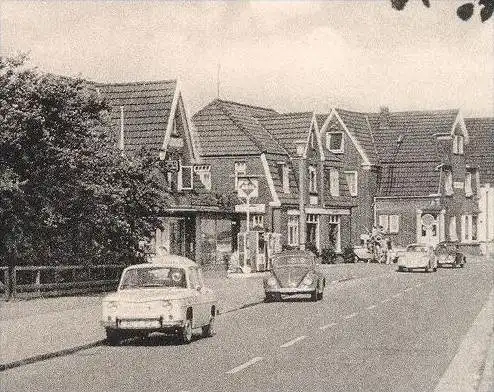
[153, 277]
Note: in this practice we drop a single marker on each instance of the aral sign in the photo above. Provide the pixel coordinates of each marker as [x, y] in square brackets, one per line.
[248, 187]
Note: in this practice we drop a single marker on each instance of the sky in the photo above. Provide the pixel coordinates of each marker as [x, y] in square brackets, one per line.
[287, 55]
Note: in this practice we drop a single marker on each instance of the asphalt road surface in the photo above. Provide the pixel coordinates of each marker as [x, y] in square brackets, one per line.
[394, 332]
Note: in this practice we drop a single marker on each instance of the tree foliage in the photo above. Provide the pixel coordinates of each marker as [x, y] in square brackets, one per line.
[66, 194]
[464, 12]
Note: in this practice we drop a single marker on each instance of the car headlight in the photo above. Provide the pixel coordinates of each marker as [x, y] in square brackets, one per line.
[272, 281]
[112, 305]
[167, 304]
[307, 281]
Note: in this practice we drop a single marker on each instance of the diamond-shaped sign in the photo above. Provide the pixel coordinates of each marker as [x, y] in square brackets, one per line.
[247, 187]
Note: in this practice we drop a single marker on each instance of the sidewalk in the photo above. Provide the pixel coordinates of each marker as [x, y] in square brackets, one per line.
[36, 329]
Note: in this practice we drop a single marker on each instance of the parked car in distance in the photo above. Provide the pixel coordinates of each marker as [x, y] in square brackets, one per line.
[448, 253]
[294, 272]
[166, 295]
[417, 256]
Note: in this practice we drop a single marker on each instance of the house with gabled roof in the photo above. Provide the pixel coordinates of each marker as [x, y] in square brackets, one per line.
[480, 154]
[285, 153]
[152, 116]
[348, 136]
[417, 184]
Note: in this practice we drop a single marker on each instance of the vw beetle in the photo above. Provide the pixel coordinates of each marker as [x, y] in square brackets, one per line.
[166, 295]
[417, 256]
[448, 253]
[294, 272]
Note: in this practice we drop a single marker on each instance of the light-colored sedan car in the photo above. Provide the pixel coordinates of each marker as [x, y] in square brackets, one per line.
[417, 256]
[166, 295]
[294, 272]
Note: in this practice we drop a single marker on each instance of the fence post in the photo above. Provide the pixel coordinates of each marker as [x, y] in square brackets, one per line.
[38, 282]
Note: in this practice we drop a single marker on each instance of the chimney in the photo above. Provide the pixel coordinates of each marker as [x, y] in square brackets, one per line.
[384, 117]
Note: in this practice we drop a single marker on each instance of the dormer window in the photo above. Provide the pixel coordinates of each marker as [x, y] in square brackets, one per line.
[468, 184]
[204, 173]
[312, 179]
[448, 182]
[174, 131]
[335, 141]
[458, 144]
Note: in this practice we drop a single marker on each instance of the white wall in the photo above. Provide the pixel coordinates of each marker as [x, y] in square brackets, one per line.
[486, 216]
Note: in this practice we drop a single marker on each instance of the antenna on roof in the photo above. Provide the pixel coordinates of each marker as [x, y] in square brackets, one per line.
[218, 82]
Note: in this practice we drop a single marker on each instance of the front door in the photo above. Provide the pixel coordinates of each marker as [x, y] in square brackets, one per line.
[177, 237]
[429, 229]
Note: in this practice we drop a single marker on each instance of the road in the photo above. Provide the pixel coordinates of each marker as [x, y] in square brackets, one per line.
[393, 332]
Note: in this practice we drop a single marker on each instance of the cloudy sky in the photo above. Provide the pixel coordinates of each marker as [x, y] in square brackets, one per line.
[289, 55]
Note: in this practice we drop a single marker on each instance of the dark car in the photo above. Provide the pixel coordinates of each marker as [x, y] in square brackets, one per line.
[448, 253]
[294, 272]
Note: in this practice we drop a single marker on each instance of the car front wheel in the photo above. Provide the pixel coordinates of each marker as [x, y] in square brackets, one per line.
[186, 332]
[113, 337]
[208, 330]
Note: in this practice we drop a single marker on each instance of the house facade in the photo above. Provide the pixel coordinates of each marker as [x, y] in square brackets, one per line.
[413, 178]
[481, 155]
[285, 154]
[152, 116]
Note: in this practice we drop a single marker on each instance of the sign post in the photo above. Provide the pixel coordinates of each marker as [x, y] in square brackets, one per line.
[247, 187]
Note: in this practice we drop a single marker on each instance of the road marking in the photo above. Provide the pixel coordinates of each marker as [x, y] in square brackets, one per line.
[371, 307]
[292, 342]
[396, 295]
[327, 326]
[385, 300]
[244, 365]
[349, 316]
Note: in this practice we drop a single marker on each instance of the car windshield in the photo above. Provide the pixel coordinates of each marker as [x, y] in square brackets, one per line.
[153, 277]
[417, 248]
[288, 260]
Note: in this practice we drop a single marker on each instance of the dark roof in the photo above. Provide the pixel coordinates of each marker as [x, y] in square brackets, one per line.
[408, 150]
[230, 128]
[416, 131]
[358, 125]
[320, 119]
[480, 150]
[409, 179]
[288, 128]
[146, 107]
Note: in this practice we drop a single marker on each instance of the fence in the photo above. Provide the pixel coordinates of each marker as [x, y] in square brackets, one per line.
[41, 281]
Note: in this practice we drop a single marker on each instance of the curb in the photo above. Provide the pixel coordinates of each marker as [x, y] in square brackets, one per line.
[44, 357]
[486, 383]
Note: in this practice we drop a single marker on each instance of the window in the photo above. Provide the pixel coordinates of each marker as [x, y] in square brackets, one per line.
[334, 182]
[257, 220]
[293, 222]
[312, 230]
[334, 141]
[334, 232]
[351, 179]
[204, 173]
[452, 229]
[458, 144]
[448, 182]
[312, 179]
[240, 170]
[468, 184]
[185, 178]
[390, 223]
[468, 228]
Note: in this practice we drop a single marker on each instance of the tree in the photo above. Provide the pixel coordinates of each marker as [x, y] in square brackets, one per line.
[66, 194]
[464, 12]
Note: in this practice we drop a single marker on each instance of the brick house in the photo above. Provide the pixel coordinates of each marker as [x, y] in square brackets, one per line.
[152, 116]
[413, 175]
[480, 153]
[285, 153]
